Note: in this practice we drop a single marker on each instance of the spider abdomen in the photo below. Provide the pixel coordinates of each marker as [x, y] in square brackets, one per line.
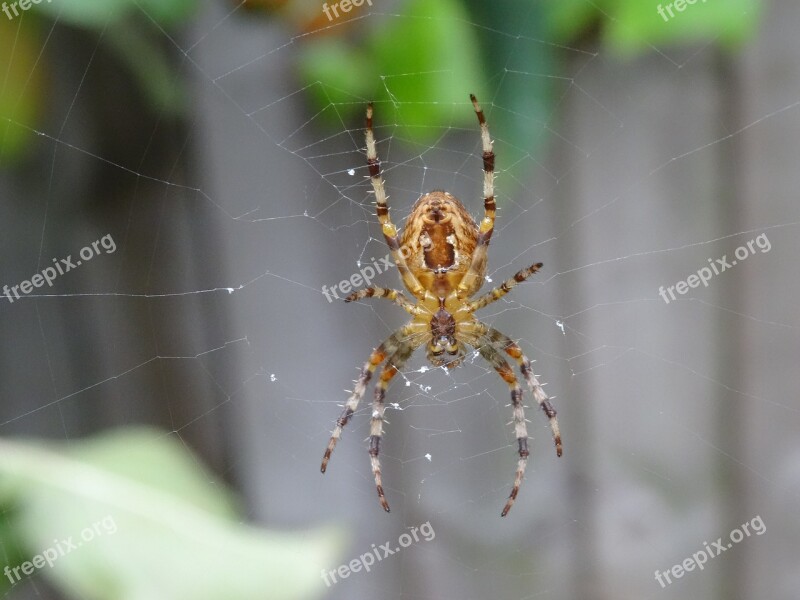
[439, 238]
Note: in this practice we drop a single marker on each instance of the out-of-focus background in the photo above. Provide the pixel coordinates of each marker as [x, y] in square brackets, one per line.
[181, 179]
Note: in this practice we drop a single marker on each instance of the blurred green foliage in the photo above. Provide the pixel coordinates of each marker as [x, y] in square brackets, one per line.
[98, 14]
[163, 528]
[133, 30]
[522, 65]
[633, 26]
[426, 60]
[23, 90]
[422, 63]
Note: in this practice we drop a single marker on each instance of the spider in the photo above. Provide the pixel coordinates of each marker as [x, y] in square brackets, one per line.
[441, 256]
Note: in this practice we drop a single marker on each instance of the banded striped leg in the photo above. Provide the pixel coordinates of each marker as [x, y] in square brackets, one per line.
[473, 279]
[389, 229]
[504, 288]
[387, 348]
[489, 205]
[511, 348]
[390, 369]
[394, 295]
[494, 358]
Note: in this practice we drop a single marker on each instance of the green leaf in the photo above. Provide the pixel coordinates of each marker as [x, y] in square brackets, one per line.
[523, 96]
[21, 86]
[638, 26]
[12, 551]
[98, 13]
[85, 13]
[337, 74]
[159, 82]
[632, 26]
[424, 62]
[429, 64]
[568, 19]
[167, 12]
[148, 522]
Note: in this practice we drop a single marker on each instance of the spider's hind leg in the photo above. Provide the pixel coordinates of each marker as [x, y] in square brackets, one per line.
[387, 348]
[494, 358]
[390, 369]
[511, 348]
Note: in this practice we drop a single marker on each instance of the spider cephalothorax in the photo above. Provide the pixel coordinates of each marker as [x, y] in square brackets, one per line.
[441, 256]
[443, 340]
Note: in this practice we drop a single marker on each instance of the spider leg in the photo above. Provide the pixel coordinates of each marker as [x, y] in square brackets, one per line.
[387, 348]
[504, 288]
[390, 369]
[394, 295]
[473, 278]
[491, 336]
[494, 358]
[389, 229]
[489, 206]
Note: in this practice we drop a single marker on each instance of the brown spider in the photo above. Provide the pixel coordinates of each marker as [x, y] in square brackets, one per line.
[442, 259]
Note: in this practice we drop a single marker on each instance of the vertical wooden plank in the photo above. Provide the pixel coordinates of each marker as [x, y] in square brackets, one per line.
[648, 385]
[770, 318]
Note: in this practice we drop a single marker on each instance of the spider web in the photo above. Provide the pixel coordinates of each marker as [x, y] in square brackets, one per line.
[667, 410]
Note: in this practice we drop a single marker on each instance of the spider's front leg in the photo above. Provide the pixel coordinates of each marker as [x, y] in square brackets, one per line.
[473, 279]
[489, 205]
[503, 288]
[382, 208]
